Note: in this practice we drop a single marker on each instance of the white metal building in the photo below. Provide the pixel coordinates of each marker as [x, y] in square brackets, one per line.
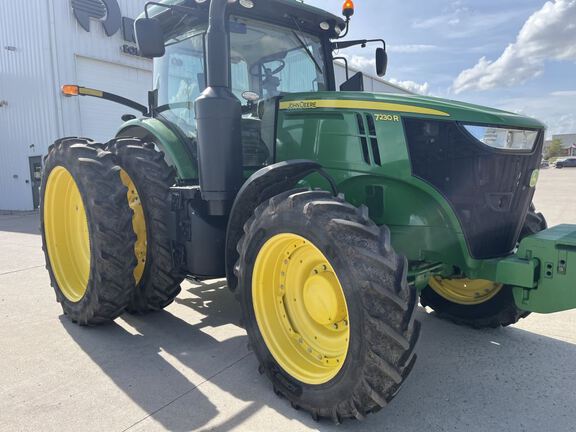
[44, 44]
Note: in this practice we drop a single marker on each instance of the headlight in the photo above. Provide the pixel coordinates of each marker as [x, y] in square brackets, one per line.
[504, 138]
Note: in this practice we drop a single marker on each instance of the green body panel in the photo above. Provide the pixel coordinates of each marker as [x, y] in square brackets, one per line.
[424, 226]
[555, 251]
[456, 110]
[177, 154]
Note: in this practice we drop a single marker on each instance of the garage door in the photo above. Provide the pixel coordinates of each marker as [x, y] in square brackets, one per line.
[101, 119]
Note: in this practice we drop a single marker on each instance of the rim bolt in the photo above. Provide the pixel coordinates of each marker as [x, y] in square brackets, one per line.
[335, 326]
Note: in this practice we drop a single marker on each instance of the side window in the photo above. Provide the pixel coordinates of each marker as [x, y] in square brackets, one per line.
[181, 81]
[185, 77]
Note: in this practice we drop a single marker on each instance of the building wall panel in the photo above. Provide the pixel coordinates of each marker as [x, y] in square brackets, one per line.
[28, 119]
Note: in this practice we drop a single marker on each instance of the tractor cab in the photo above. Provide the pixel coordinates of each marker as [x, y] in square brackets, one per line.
[266, 60]
[274, 48]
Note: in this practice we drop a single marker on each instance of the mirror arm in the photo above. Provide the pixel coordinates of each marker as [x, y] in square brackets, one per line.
[363, 42]
[346, 63]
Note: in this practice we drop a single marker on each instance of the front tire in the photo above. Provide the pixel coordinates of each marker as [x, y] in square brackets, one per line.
[87, 235]
[326, 305]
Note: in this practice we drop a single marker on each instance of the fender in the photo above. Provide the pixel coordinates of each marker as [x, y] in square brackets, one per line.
[261, 186]
[180, 156]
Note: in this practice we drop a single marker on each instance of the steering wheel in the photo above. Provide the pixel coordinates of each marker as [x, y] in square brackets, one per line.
[259, 70]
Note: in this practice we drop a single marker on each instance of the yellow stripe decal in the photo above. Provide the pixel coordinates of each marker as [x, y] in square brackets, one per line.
[90, 92]
[363, 105]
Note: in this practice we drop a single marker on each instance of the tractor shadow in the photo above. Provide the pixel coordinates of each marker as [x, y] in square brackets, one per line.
[160, 361]
[505, 379]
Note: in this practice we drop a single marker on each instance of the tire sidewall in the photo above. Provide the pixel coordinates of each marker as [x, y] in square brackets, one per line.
[350, 373]
[64, 157]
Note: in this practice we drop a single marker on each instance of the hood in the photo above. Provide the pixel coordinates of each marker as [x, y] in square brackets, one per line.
[409, 105]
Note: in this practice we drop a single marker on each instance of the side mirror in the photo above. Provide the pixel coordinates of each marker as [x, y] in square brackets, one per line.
[381, 62]
[149, 37]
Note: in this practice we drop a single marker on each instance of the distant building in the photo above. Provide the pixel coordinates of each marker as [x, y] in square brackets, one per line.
[568, 144]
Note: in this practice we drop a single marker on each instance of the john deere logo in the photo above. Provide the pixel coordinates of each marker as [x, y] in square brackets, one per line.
[105, 11]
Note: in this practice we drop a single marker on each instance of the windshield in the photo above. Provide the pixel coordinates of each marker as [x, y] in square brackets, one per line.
[266, 60]
[270, 60]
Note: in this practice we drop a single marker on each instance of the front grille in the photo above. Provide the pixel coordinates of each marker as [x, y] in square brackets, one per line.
[488, 189]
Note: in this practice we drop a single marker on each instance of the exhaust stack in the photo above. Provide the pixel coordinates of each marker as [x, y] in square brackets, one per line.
[218, 117]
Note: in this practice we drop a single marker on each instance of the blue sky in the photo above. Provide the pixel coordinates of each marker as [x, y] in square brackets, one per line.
[518, 55]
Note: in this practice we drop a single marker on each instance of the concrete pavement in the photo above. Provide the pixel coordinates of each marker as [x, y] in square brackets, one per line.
[188, 368]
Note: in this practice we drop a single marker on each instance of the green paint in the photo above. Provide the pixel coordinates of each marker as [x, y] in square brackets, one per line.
[177, 153]
[555, 250]
[424, 227]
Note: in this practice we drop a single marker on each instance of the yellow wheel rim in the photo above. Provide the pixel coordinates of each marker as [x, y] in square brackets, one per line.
[138, 224]
[66, 233]
[465, 291]
[300, 309]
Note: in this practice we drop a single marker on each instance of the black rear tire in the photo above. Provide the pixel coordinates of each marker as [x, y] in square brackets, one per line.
[383, 331]
[109, 220]
[499, 311]
[160, 283]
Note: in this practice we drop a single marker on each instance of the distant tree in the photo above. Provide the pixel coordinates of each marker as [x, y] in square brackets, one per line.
[555, 149]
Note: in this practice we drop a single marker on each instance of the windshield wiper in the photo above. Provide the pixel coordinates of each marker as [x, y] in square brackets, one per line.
[304, 47]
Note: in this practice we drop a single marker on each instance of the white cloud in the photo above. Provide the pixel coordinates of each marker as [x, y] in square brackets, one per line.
[549, 34]
[564, 93]
[459, 21]
[362, 63]
[411, 48]
[556, 111]
[368, 66]
[412, 86]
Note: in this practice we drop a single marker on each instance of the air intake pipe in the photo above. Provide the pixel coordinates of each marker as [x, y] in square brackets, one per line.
[218, 120]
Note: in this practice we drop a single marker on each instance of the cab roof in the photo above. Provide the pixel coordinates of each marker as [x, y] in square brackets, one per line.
[280, 12]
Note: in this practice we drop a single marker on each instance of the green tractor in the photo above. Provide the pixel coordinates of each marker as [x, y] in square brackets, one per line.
[330, 213]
